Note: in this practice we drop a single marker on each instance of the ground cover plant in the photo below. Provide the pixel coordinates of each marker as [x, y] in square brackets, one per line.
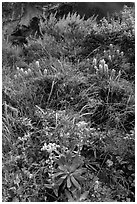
[68, 108]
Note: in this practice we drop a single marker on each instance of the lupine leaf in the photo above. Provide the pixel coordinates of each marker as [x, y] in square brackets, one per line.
[68, 182]
[84, 195]
[58, 174]
[76, 184]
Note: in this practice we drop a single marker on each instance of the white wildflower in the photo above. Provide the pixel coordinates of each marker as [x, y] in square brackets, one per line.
[109, 57]
[94, 61]
[109, 163]
[45, 72]
[37, 63]
[122, 54]
[111, 46]
[117, 52]
[29, 70]
[26, 72]
[102, 62]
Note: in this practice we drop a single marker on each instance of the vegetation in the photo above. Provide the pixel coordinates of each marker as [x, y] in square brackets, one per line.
[68, 109]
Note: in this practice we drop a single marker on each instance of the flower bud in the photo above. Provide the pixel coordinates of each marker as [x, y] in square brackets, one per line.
[15, 76]
[45, 72]
[94, 61]
[117, 52]
[113, 56]
[95, 67]
[122, 54]
[18, 68]
[109, 57]
[29, 70]
[105, 52]
[101, 69]
[106, 68]
[118, 76]
[37, 63]
[21, 70]
[102, 62]
[113, 73]
[111, 47]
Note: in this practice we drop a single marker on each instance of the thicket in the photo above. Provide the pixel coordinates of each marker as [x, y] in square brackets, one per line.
[69, 111]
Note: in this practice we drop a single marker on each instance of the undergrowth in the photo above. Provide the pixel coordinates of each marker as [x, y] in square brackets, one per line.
[68, 112]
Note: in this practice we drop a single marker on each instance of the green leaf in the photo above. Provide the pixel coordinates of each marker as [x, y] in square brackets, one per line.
[15, 199]
[60, 180]
[79, 171]
[62, 168]
[56, 191]
[70, 198]
[58, 174]
[68, 182]
[80, 178]
[84, 195]
[48, 185]
[58, 161]
[76, 184]
[63, 159]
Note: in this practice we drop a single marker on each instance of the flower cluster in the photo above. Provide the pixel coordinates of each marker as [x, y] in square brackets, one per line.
[50, 147]
[21, 72]
[29, 72]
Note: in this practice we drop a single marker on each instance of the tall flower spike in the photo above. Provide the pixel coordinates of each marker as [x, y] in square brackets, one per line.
[102, 62]
[111, 47]
[122, 54]
[45, 72]
[37, 64]
[94, 61]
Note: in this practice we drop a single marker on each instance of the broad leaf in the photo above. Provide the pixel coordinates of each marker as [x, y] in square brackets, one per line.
[58, 174]
[84, 195]
[75, 183]
[60, 180]
[70, 198]
[68, 182]
[48, 185]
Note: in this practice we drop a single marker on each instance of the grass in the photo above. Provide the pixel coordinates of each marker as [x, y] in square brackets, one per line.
[68, 113]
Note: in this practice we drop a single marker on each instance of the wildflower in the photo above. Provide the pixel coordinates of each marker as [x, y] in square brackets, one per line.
[87, 59]
[117, 52]
[96, 185]
[96, 67]
[102, 62]
[101, 68]
[45, 72]
[105, 52]
[30, 176]
[18, 68]
[122, 54]
[94, 61]
[26, 72]
[81, 124]
[111, 46]
[21, 70]
[37, 63]
[109, 57]
[113, 73]
[50, 147]
[29, 70]
[109, 162]
[113, 56]
[106, 68]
